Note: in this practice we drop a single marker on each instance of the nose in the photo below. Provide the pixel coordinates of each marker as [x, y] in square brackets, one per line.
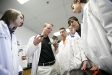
[21, 23]
[72, 24]
[22, 20]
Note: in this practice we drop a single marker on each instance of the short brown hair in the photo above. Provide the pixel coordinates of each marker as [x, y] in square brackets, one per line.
[55, 37]
[75, 1]
[72, 18]
[62, 28]
[10, 15]
[81, 1]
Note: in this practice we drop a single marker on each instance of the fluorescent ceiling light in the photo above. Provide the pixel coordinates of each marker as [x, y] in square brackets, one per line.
[58, 33]
[22, 1]
[67, 30]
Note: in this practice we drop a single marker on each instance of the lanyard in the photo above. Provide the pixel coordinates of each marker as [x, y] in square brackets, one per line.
[11, 31]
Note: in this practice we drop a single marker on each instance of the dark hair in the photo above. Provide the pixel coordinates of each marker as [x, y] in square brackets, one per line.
[10, 15]
[72, 18]
[62, 28]
[55, 37]
[81, 1]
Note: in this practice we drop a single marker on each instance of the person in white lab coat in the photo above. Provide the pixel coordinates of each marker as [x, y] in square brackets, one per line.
[56, 42]
[42, 52]
[97, 32]
[10, 20]
[76, 40]
[70, 55]
[74, 22]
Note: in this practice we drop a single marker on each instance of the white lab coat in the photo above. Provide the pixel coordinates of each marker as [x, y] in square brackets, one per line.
[23, 63]
[77, 45]
[34, 51]
[97, 33]
[8, 52]
[70, 55]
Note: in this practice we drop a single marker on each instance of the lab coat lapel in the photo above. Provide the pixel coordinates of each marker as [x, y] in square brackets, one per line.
[5, 27]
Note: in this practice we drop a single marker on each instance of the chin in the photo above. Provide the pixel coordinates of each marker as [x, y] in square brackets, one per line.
[78, 12]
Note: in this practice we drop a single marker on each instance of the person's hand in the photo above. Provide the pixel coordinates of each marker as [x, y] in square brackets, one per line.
[55, 46]
[37, 40]
[94, 68]
[84, 66]
[23, 57]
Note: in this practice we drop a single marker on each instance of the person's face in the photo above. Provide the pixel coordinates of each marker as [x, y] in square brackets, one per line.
[55, 40]
[71, 29]
[76, 7]
[19, 21]
[47, 29]
[74, 24]
[63, 32]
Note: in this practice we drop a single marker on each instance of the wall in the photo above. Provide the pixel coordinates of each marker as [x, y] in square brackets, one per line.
[0, 15]
[23, 35]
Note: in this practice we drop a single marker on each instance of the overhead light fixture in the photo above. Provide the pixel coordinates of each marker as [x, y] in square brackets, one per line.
[58, 33]
[67, 30]
[22, 1]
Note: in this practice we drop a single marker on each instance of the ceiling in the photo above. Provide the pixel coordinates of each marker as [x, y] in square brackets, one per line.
[38, 12]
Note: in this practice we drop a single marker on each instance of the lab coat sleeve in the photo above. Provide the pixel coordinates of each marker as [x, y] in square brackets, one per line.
[20, 68]
[3, 71]
[83, 56]
[105, 12]
[31, 48]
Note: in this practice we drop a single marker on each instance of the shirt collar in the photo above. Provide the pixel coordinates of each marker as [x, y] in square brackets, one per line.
[72, 35]
[11, 31]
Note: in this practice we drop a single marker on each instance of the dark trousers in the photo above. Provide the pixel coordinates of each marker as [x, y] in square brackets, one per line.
[101, 72]
[76, 72]
[20, 73]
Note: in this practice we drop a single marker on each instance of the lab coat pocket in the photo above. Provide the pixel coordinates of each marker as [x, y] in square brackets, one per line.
[2, 36]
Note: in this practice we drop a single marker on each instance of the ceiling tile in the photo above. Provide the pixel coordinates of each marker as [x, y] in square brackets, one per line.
[67, 1]
[52, 15]
[39, 7]
[6, 4]
[68, 9]
[33, 23]
[38, 30]
[27, 15]
[62, 22]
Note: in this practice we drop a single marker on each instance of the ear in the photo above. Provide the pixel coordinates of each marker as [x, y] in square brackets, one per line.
[43, 27]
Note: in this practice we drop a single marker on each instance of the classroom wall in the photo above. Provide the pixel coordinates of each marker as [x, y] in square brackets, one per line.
[23, 35]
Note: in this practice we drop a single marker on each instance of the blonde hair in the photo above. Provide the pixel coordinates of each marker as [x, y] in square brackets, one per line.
[48, 24]
[10, 15]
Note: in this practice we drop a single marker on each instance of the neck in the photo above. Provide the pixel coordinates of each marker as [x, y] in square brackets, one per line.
[12, 26]
[64, 37]
[72, 33]
[82, 5]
